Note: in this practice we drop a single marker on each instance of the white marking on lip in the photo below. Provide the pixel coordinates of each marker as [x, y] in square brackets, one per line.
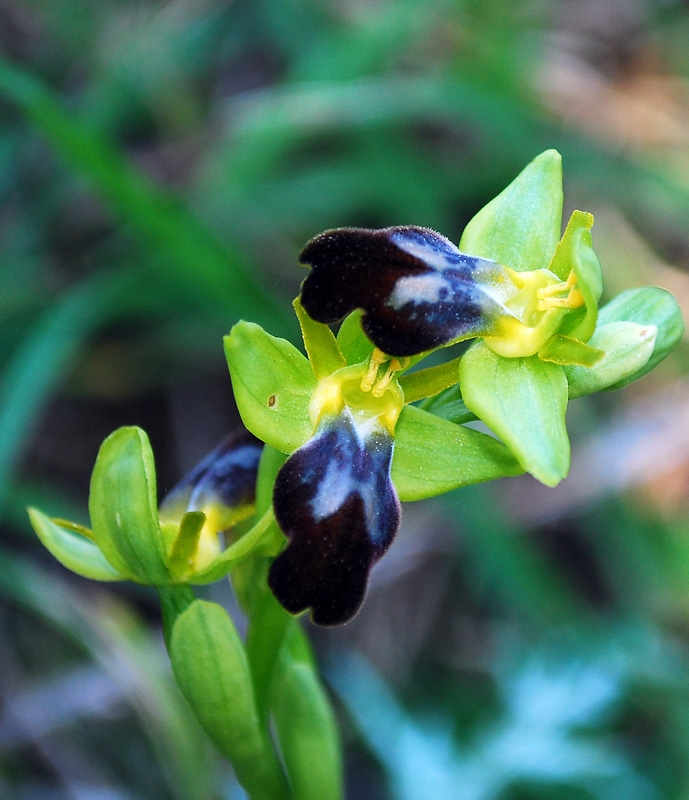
[429, 288]
[435, 259]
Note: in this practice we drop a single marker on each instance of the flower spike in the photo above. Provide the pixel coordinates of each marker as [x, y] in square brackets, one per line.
[335, 502]
[417, 289]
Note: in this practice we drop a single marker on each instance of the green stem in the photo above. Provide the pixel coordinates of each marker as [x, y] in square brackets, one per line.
[173, 601]
[268, 626]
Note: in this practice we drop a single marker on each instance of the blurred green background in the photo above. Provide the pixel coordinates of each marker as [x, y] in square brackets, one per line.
[161, 165]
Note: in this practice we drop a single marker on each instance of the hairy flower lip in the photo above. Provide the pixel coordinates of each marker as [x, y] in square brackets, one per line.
[335, 502]
[418, 291]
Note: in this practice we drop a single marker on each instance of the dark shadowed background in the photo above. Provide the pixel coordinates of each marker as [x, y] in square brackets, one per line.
[161, 166]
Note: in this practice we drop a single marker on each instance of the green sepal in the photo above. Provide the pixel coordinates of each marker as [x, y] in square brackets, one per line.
[524, 401]
[123, 507]
[305, 725]
[320, 343]
[272, 383]
[520, 228]
[211, 670]
[563, 350]
[185, 545]
[72, 550]
[626, 346]
[428, 382]
[355, 346]
[647, 306]
[433, 456]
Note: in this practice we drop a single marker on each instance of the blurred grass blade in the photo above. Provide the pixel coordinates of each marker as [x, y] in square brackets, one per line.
[193, 256]
[117, 641]
[34, 371]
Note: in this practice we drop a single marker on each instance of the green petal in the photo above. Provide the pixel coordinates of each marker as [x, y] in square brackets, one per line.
[123, 507]
[72, 550]
[320, 344]
[433, 456]
[211, 670]
[353, 342]
[428, 382]
[272, 383]
[627, 347]
[586, 266]
[521, 226]
[647, 306]
[562, 265]
[264, 538]
[563, 350]
[185, 544]
[524, 401]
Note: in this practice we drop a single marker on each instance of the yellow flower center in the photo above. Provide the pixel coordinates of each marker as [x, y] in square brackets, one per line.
[537, 310]
[362, 388]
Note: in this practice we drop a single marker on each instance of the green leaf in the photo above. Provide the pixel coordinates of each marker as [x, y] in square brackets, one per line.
[273, 384]
[320, 343]
[626, 347]
[524, 401]
[123, 507]
[353, 342]
[520, 228]
[647, 306]
[433, 456]
[42, 360]
[563, 350]
[211, 670]
[72, 550]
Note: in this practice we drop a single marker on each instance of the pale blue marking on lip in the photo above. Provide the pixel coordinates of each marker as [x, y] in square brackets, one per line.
[349, 462]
